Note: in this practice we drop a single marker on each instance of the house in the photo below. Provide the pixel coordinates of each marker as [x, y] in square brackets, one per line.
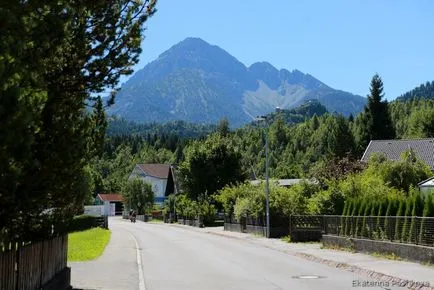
[283, 182]
[112, 200]
[392, 149]
[427, 185]
[160, 176]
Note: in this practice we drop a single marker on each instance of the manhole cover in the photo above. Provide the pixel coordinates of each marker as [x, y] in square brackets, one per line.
[308, 277]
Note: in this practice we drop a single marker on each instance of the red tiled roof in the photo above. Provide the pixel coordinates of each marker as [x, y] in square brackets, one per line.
[156, 170]
[110, 197]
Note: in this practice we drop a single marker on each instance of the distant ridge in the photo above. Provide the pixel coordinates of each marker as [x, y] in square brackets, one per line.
[198, 82]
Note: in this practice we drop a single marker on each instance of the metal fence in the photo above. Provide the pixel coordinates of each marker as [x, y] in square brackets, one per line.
[410, 230]
[33, 265]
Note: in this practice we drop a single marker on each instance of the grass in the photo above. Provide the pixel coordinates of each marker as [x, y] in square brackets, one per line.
[87, 245]
[388, 256]
[339, 248]
[156, 221]
[287, 239]
[374, 254]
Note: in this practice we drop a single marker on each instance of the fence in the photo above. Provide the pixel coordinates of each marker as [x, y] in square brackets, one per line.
[279, 225]
[410, 230]
[102, 221]
[34, 265]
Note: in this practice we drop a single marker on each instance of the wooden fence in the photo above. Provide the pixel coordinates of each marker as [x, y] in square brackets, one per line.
[33, 266]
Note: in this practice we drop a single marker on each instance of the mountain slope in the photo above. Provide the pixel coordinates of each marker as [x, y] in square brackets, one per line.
[198, 82]
[423, 91]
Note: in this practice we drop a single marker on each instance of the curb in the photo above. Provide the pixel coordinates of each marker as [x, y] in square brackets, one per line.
[331, 263]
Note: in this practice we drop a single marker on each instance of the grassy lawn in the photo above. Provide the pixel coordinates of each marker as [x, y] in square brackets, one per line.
[87, 245]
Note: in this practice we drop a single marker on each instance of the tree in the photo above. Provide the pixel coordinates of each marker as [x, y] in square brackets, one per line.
[138, 195]
[209, 166]
[374, 122]
[98, 127]
[223, 127]
[56, 57]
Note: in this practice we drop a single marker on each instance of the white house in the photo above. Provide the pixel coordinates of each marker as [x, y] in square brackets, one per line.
[427, 186]
[160, 176]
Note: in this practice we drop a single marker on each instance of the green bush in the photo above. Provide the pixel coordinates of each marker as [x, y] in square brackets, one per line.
[407, 214]
[428, 211]
[399, 213]
[83, 222]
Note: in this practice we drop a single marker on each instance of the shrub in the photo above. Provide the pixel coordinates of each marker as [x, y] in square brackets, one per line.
[428, 211]
[83, 222]
[399, 213]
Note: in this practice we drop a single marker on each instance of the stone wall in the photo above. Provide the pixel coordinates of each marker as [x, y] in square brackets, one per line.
[409, 252]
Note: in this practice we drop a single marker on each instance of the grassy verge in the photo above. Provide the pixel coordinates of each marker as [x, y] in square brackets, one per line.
[156, 221]
[87, 245]
[374, 254]
[287, 239]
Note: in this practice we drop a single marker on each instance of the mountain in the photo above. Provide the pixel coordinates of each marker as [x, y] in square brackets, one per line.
[202, 83]
[423, 91]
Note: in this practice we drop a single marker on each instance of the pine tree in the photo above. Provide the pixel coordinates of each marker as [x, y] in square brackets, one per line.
[56, 57]
[98, 127]
[399, 214]
[223, 127]
[428, 211]
[374, 123]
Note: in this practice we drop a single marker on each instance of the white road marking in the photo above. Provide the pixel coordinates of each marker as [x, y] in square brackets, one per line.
[139, 264]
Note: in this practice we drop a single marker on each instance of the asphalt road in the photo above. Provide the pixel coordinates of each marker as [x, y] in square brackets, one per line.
[179, 258]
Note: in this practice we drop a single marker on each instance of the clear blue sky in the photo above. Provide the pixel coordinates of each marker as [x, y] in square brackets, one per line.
[341, 42]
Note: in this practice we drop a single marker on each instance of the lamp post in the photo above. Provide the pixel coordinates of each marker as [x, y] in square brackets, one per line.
[267, 188]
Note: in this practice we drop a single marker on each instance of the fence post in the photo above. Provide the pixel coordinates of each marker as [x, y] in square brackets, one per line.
[17, 260]
[290, 225]
[416, 237]
[390, 227]
[324, 221]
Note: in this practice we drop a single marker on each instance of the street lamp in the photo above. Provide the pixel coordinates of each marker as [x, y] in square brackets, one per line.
[267, 188]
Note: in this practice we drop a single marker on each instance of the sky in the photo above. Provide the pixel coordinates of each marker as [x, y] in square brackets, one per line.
[343, 43]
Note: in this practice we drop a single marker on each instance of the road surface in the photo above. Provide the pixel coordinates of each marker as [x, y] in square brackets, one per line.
[181, 258]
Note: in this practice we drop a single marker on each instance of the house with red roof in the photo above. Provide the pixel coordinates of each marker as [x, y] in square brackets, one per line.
[114, 200]
[160, 176]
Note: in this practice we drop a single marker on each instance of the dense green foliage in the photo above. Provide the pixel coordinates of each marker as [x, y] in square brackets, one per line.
[180, 129]
[423, 91]
[375, 190]
[413, 119]
[374, 123]
[208, 166]
[56, 58]
[83, 222]
[138, 195]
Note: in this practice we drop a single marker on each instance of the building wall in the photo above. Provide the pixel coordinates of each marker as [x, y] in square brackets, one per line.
[158, 185]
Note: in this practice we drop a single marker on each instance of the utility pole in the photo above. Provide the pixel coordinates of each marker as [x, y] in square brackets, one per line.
[267, 186]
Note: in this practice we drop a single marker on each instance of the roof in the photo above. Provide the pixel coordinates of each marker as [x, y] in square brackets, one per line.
[424, 149]
[427, 182]
[282, 182]
[155, 170]
[110, 197]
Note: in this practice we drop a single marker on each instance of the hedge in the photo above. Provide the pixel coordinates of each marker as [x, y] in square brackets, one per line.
[83, 222]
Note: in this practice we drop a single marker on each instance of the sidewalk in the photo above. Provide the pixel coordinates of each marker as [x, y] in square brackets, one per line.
[104, 272]
[383, 269]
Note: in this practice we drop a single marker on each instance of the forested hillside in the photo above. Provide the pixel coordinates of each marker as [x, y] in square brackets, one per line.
[423, 91]
[300, 139]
